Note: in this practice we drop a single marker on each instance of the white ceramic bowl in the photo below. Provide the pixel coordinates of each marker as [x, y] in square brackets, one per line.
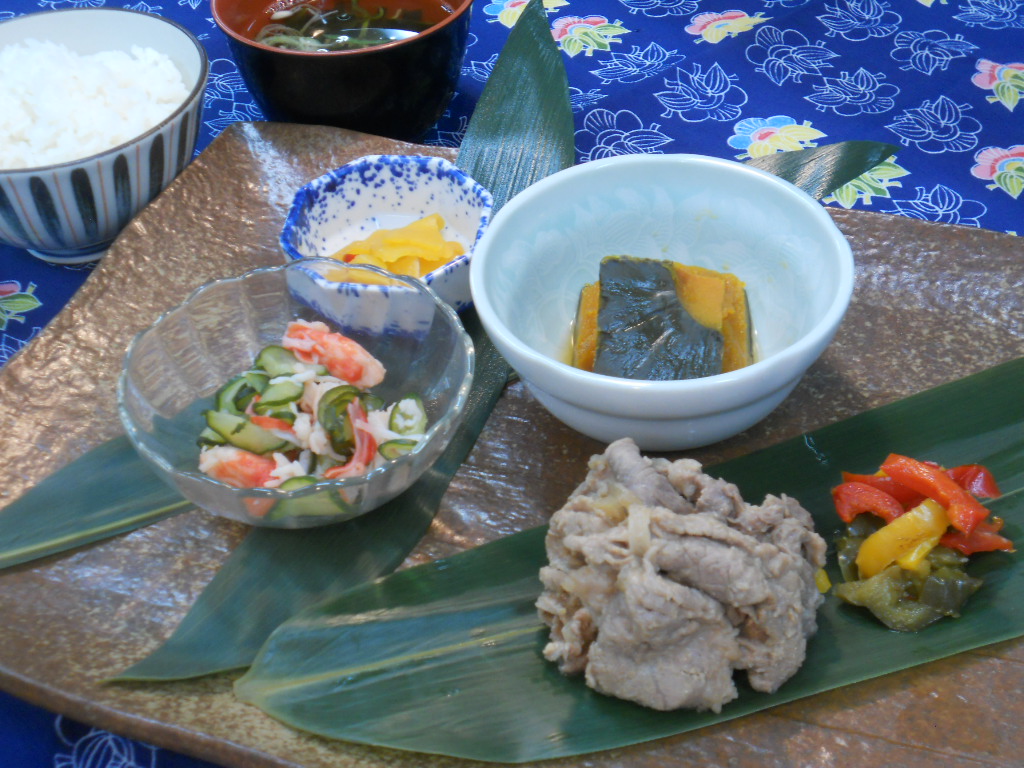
[70, 212]
[173, 368]
[548, 241]
[389, 191]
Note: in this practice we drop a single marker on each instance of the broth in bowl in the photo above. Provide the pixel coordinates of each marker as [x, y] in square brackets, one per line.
[346, 25]
[390, 72]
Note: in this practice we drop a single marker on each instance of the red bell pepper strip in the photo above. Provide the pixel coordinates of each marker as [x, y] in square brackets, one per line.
[906, 497]
[984, 538]
[976, 479]
[853, 498]
[964, 511]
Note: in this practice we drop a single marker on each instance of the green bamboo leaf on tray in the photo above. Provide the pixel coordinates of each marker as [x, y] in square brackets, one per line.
[522, 127]
[222, 631]
[115, 492]
[273, 574]
[414, 660]
[821, 170]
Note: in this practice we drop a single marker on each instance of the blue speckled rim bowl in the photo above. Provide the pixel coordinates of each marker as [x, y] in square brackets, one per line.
[379, 191]
[70, 213]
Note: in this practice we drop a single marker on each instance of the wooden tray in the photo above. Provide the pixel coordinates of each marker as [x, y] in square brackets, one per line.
[933, 303]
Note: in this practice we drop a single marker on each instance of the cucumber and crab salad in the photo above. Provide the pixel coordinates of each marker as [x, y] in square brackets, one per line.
[305, 412]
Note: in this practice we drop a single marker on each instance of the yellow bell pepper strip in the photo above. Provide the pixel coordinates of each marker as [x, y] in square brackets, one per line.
[964, 511]
[909, 537]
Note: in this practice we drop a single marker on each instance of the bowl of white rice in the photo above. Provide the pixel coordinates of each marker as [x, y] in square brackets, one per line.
[102, 107]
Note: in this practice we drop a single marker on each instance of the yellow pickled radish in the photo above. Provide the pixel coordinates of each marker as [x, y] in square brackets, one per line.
[414, 250]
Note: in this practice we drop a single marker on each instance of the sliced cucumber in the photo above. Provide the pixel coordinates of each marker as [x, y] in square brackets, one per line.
[409, 416]
[278, 361]
[332, 413]
[210, 437]
[242, 433]
[282, 412]
[294, 483]
[325, 503]
[392, 449]
[239, 391]
[277, 394]
[371, 402]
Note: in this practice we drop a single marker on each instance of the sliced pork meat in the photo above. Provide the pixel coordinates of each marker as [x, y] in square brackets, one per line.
[661, 582]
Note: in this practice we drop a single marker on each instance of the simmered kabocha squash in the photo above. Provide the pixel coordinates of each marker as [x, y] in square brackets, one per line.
[719, 300]
[657, 320]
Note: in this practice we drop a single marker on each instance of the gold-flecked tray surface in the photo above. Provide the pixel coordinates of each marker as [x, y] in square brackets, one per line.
[932, 303]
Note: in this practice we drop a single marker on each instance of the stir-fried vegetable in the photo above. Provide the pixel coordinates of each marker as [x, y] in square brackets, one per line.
[910, 529]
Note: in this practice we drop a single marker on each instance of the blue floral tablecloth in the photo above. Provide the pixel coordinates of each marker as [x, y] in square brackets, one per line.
[941, 79]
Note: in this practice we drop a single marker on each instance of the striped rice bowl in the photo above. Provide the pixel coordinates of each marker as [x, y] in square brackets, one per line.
[70, 210]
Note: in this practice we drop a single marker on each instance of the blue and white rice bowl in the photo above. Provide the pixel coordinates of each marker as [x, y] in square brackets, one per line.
[70, 212]
[385, 192]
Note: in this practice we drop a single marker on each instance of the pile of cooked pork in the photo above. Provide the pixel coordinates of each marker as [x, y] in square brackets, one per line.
[662, 581]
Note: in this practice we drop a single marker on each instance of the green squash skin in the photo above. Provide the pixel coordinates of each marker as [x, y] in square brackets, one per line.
[644, 332]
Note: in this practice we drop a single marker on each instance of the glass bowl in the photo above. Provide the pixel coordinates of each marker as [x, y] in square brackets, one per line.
[173, 369]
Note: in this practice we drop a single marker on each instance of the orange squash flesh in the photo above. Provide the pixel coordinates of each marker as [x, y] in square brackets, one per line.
[738, 351]
[718, 300]
[584, 346]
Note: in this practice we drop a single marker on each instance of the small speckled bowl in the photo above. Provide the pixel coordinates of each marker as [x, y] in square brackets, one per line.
[388, 191]
[548, 241]
[70, 212]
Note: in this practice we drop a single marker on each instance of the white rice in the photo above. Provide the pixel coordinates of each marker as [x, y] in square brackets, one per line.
[72, 106]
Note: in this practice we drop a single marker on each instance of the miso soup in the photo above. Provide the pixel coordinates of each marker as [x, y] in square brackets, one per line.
[343, 25]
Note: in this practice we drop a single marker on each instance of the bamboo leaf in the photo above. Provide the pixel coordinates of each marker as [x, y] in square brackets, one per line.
[273, 574]
[822, 170]
[115, 492]
[504, 149]
[222, 631]
[415, 661]
[522, 127]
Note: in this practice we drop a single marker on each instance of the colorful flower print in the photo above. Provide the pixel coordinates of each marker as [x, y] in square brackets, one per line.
[869, 185]
[697, 95]
[507, 12]
[14, 302]
[637, 65]
[937, 126]
[715, 27]
[760, 136]
[929, 51]
[1006, 81]
[619, 133]
[579, 34]
[1004, 167]
[857, 20]
[786, 54]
